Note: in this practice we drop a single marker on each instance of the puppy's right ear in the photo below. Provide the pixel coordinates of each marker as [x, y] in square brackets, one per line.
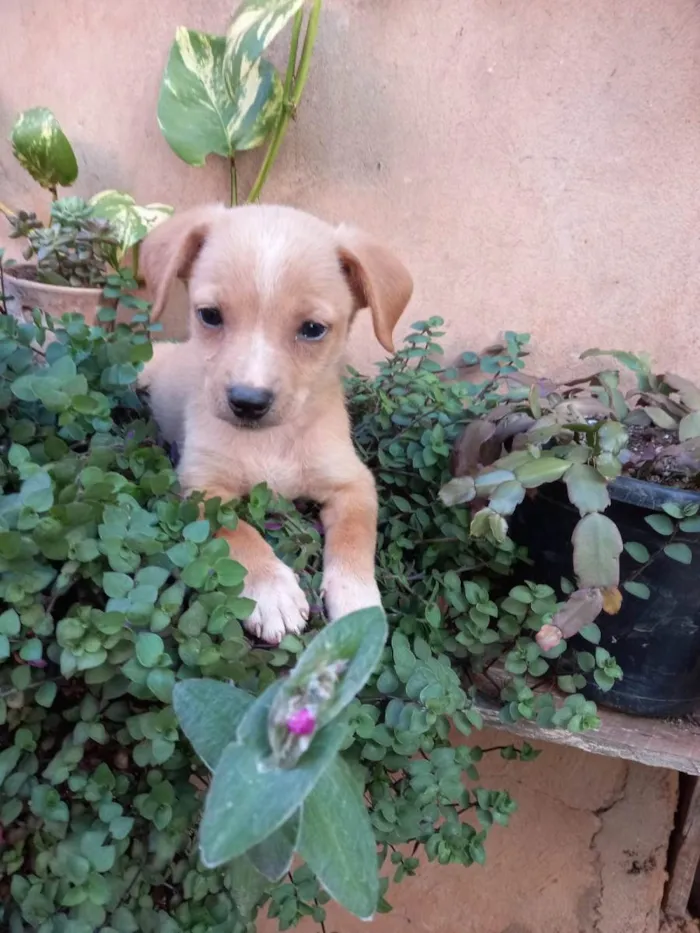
[170, 249]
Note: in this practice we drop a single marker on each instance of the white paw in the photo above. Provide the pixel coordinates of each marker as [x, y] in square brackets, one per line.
[280, 604]
[344, 592]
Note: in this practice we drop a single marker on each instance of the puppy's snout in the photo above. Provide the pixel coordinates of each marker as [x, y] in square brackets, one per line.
[249, 403]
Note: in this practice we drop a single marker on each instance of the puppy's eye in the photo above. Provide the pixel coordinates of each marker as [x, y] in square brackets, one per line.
[210, 317]
[312, 330]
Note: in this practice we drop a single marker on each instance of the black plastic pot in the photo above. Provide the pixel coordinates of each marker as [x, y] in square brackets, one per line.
[656, 641]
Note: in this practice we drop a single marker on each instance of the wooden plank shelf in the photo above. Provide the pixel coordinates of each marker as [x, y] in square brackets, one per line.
[659, 743]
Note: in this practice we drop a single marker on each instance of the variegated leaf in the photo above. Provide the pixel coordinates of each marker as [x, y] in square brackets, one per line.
[255, 25]
[197, 114]
[42, 148]
[131, 221]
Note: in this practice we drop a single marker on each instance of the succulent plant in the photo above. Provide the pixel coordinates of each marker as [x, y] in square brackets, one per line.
[73, 250]
[586, 432]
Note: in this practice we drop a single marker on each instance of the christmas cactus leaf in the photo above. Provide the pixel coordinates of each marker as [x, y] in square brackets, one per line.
[458, 490]
[507, 497]
[540, 471]
[487, 482]
[661, 418]
[581, 608]
[689, 426]
[587, 489]
[597, 547]
[688, 391]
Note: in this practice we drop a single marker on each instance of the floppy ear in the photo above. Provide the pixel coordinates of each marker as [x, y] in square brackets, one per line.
[378, 280]
[170, 249]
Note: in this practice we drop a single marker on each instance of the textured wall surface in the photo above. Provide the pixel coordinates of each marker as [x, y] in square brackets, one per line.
[536, 164]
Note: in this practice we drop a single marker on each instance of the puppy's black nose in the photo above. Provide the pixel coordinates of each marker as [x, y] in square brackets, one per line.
[249, 403]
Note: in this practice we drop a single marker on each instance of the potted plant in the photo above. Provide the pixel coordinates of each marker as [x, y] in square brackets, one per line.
[82, 243]
[132, 700]
[603, 487]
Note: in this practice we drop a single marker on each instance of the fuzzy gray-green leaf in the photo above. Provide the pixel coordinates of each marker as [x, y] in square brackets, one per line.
[42, 148]
[247, 884]
[209, 713]
[196, 112]
[249, 799]
[337, 841]
[273, 856]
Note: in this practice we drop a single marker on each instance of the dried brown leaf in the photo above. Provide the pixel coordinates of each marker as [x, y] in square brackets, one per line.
[612, 600]
[468, 455]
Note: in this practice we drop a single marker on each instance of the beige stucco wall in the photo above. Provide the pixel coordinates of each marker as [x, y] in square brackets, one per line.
[537, 163]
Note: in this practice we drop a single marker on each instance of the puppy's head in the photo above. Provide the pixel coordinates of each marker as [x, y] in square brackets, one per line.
[272, 294]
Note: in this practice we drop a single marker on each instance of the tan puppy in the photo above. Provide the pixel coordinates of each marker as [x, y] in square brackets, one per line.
[255, 394]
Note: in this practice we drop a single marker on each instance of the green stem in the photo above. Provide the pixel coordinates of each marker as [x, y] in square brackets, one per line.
[306, 52]
[3, 299]
[54, 192]
[234, 182]
[4, 209]
[135, 257]
[295, 80]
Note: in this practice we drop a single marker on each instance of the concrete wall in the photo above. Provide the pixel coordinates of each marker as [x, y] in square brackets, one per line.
[535, 163]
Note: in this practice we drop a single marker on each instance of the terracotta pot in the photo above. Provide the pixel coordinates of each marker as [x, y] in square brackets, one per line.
[23, 294]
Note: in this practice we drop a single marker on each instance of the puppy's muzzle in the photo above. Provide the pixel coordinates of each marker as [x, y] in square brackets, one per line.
[248, 403]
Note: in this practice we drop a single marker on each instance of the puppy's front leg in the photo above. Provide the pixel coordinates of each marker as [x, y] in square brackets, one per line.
[349, 515]
[280, 604]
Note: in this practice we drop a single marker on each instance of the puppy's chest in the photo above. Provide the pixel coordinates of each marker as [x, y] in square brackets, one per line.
[248, 459]
[282, 471]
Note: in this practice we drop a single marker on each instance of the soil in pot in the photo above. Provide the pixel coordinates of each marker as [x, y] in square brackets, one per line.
[656, 641]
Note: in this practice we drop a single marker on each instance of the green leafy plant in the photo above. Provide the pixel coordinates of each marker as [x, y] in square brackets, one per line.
[220, 96]
[121, 625]
[83, 239]
[587, 433]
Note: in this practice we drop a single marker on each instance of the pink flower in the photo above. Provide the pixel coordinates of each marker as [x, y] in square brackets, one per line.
[548, 637]
[303, 722]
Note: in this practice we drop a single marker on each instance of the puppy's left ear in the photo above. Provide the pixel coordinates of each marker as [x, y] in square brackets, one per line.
[378, 280]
